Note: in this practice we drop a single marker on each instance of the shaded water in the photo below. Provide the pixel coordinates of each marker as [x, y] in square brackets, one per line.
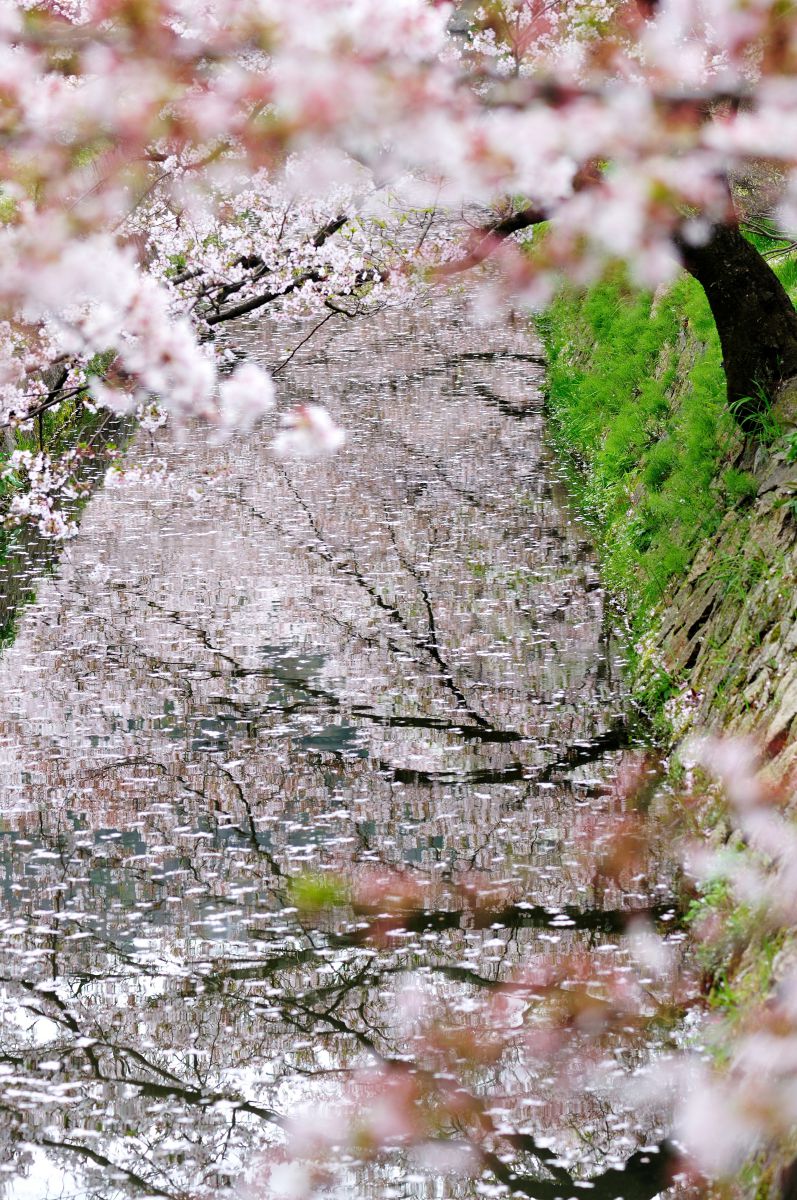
[398, 657]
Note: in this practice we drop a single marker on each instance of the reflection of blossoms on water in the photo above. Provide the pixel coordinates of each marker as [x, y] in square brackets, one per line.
[128, 473]
[290, 779]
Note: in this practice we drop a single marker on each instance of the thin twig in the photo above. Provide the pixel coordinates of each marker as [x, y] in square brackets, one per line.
[305, 340]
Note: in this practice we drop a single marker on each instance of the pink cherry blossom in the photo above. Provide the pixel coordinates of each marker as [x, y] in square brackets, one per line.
[308, 431]
[245, 397]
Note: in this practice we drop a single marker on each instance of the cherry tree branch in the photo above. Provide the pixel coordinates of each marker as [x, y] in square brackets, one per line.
[248, 306]
[485, 241]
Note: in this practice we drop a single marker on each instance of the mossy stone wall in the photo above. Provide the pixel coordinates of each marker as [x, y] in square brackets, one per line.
[696, 526]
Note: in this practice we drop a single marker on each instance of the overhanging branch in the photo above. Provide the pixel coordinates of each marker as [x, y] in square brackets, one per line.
[485, 241]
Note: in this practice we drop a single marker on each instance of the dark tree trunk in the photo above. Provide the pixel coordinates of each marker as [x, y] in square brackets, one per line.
[755, 319]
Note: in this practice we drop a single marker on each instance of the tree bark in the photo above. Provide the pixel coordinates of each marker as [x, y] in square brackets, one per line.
[755, 319]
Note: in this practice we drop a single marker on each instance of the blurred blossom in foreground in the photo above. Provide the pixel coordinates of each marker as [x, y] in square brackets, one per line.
[308, 431]
[726, 1073]
[744, 1096]
[245, 397]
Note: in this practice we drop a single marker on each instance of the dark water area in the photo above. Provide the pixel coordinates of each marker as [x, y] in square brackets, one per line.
[400, 657]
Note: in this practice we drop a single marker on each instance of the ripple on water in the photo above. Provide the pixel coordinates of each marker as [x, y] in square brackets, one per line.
[397, 657]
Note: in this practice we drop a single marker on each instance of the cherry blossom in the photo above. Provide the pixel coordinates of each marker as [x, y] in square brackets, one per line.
[48, 486]
[171, 167]
[308, 431]
[202, 161]
[245, 397]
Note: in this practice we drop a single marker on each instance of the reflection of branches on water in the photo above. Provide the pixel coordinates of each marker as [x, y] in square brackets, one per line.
[250, 833]
[254, 841]
[311, 1013]
[116, 1168]
[329, 556]
[162, 890]
[643, 1176]
[444, 364]
[431, 644]
[513, 1157]
[476, 388]
[344, 1007]
[480, 504]
[480, 730]
[345, 562]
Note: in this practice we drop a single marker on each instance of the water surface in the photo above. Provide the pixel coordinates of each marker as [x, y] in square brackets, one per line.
[397, 657]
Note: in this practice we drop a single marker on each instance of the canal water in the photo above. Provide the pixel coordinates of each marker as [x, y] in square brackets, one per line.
[250, 673]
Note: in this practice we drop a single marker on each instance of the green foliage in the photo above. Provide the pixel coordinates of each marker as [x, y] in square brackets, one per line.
[314, 891]
[648, 429]
[740, 486]
[8, 208]
[57, 429]
[737, 959]
[787, 271]
[100, 362]
[177, 263]
[765, 426]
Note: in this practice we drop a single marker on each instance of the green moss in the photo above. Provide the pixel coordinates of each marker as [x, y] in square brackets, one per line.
[8, 208]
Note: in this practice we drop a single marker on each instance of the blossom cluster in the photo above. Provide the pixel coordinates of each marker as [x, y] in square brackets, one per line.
[50, 488]
[169, 167]
[159, 162]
